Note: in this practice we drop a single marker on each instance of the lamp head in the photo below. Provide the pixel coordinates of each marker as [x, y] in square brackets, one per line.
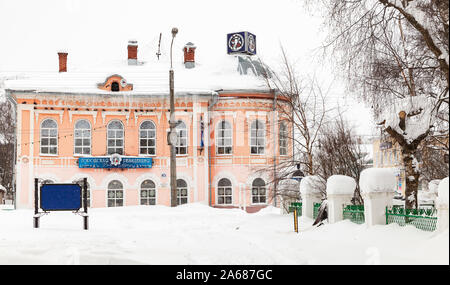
[174, 32]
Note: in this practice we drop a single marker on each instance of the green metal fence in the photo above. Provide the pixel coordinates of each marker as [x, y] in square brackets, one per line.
[296, 205]
[316, 207]
[354, 213]
[422, 218]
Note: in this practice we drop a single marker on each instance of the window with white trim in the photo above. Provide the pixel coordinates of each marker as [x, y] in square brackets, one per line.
[224, 192]
[258, 191]
[182, 192]
[49, 137]
[257, 137]
[148, 193]
[181, 146]
[82, 138]
[115, 137]
[147, 138]
[115, 194]
[224, 138]
[283, 134]
[88, 196]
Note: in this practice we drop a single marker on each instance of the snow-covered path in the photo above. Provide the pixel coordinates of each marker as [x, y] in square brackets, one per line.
[197, 234]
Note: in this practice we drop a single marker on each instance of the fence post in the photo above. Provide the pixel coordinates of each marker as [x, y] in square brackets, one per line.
[310, 193]
[377, 189]
[442, 206]
[340, 190]
[308, 201]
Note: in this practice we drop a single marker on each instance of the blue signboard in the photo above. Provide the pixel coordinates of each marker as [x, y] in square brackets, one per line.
[60, 197]
[115, 161]
[241, 42]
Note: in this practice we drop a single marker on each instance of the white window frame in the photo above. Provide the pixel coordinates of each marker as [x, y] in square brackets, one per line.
[82, 138]
[220, 138]
[224, 195]
[178, 145]
[147, 197]
[147, 138]
[282, 139]
[115, 139]
[48, 137]
[257, 137]
[115, 198]
[179, 196]
[258, 195]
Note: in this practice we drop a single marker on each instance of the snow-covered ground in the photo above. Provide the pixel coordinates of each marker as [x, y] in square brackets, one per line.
[198, 234]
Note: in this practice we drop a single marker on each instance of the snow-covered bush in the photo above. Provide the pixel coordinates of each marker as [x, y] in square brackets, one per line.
[311, 184]
[341, 184]
[377, 180]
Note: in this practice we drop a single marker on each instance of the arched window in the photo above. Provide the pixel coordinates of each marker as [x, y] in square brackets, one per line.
[283, 138]
[182, 192]
[49, 137]
[115, 194]
[148, 193]
[115, 86]
[181, 147]
[258, 191]
[224, 138]
[82, 137]
[81, 183]
[147, 138]
[115, 137]
[257, 137]
[224, 192]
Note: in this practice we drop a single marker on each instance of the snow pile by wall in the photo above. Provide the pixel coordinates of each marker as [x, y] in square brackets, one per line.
[341, 184]
[443, 192]
[377, 180]
[310, 184]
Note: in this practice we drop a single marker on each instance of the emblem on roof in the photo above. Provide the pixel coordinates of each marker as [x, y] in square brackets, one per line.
[241, 42]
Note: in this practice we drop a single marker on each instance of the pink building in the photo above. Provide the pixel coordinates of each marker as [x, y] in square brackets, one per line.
[228, 131]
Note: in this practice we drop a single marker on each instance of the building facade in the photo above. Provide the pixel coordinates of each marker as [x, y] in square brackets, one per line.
[110, 126]
[387, 154]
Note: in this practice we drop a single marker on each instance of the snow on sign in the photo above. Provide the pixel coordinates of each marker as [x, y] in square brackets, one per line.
[60, 197]
[241, 42]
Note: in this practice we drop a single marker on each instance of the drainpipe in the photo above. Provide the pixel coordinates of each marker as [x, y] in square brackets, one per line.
[215, 99]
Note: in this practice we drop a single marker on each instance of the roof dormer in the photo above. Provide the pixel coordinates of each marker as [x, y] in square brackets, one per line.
[115, 83]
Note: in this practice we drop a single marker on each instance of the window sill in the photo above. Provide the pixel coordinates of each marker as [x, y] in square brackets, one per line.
[48, 155]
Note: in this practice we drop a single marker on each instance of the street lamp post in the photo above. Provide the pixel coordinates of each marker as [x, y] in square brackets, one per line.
[172, 138]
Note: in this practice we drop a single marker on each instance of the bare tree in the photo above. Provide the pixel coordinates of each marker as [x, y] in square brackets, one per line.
[341, 152]
[301, 105]
[6, 146]
[395, 57]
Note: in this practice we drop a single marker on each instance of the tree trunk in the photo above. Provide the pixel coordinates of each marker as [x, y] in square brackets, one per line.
[412, 179]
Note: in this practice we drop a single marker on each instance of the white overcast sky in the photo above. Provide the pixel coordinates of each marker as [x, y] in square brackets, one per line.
[98, 30]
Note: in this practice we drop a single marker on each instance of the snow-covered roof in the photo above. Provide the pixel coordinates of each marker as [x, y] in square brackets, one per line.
[227, 72]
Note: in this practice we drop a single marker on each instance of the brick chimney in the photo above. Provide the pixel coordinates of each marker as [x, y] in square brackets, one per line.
[62, 61]
[189, 55]
[132, 52]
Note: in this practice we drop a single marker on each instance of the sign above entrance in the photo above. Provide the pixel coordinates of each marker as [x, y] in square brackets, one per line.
[115, 161]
